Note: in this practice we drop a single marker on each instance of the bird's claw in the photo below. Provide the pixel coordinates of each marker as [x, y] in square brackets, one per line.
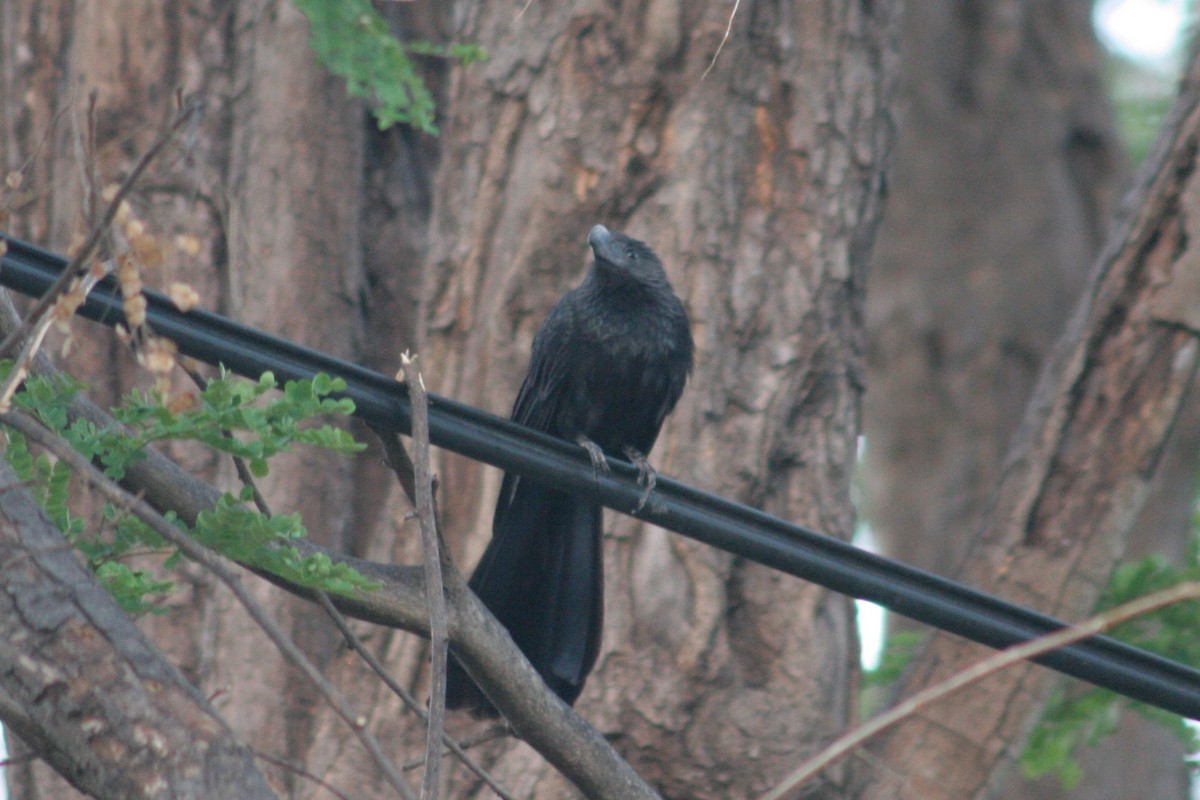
[596, 453]
[647, 476]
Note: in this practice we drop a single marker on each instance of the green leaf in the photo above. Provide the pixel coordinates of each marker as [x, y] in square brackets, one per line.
[18, 455]
[129, 587]
[252, 420]
[58, 486]
[352, 40]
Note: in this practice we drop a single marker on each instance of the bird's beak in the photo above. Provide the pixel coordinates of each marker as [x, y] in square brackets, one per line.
[601, 240]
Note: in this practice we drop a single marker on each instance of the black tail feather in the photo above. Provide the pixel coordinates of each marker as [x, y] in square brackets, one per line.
[542, 577]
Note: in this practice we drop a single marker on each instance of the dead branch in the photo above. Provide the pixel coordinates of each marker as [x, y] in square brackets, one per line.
[434, 592]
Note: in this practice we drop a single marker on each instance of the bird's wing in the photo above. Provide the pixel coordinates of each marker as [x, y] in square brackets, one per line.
[542, 391]
[670, 397]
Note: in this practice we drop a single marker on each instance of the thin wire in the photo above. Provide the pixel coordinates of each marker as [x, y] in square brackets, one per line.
[732, 527]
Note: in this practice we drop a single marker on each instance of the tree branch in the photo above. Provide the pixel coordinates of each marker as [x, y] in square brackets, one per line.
[482, 645]
[85, 688]
[210, 561]
[433, 578]
[409, 701]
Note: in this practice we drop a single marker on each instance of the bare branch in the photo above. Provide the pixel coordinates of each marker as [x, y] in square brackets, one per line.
[409, 701]
[299, 770]
[724, 39]
[74, 296]
[434, 592]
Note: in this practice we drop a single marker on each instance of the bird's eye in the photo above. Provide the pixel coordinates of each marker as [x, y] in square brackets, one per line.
[631, 253]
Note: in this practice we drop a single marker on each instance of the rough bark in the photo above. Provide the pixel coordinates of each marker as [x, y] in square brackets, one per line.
[1078, 472]
[752, 184]
[294, 190]
[83, 684]
[758, 184]
[1006, 169]
[1005, 172]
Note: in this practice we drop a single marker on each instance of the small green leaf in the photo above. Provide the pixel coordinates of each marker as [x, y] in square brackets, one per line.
[1088, 715]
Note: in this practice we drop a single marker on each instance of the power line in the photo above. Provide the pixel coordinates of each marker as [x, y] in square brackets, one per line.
[730, 526]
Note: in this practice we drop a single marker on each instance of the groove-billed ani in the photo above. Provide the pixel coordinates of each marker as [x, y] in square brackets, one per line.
[607, 366]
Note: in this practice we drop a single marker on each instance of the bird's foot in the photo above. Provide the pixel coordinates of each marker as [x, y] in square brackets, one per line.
[596, 453]
[647, 476]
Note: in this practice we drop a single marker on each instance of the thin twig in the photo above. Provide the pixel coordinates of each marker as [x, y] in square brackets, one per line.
[89, 162]
[724, 39]
[434, 592]
[299, 770]
[1005, 658]
[458, 748]
[497, 730]
[396, 457]
[75, 266]
[193, 550]
[80, 287]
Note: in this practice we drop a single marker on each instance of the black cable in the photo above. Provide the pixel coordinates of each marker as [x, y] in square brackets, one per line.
[729, 526]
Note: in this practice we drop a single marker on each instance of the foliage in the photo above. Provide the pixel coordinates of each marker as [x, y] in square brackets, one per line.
[898, 651]
[230, 416]
[352, 39]
[1141, 97]
[251, 537]
[877, 691]
[1078, 718]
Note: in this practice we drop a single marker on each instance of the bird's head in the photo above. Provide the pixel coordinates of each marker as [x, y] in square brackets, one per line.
[620, 256]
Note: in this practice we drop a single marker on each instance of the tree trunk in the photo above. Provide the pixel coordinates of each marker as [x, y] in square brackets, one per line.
[146, 731]
[269, 181]
[750, 187]
[1078, 473]
[1006, 169]
[758, 184]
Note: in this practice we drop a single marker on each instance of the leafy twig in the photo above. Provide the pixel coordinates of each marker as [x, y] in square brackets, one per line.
[209, 561]
[239, 463]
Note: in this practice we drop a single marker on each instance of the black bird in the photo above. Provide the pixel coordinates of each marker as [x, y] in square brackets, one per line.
[607, 366]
